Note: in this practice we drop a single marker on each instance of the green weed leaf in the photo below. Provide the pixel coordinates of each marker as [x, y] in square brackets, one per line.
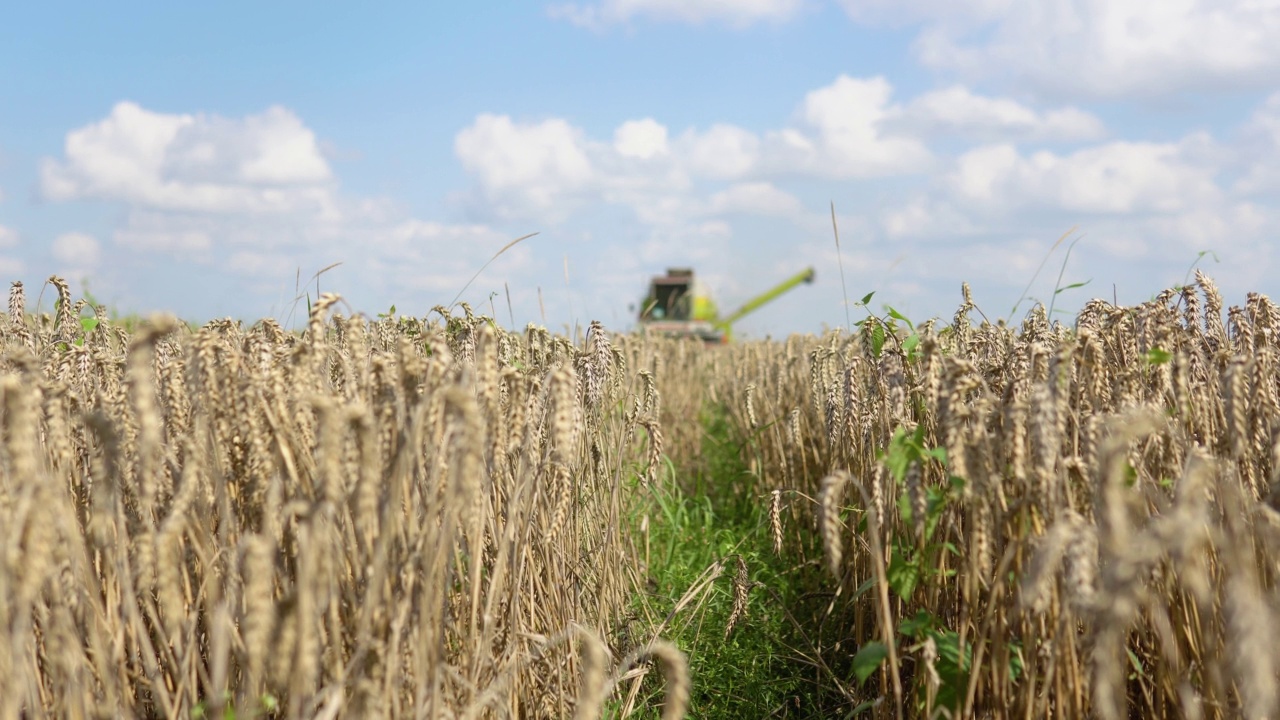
[897, 315]
[898, 456]
[917, 437]
[1072, 286]
[1138, 670]
[868, 660]
[864, 587]
[877, 339]
[910, 344]
[1015, 662]
[903, 574]
[949, 650]
[863, 707]
[916, 627]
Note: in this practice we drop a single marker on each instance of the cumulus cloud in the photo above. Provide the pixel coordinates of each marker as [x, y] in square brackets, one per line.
[76, 254]
[1145, 211]
[1079, 48]
[262, 164]
[77, 248]
[1094, 48]
[524, 169]
[956, 110]
[641, 139]
[1259, 150]
[643, 195]
[9, 266]
[965, 13]
[262, 265]
[444, 255]
[843, 134]
[754, 198]
[273, 148]
[1230, 227]
[252, 199]
[721, 152]
[544, 170]
[735, 13]
[179, 234]
[1113, 178]
[925, 217]
[693, 244]
[849, 129]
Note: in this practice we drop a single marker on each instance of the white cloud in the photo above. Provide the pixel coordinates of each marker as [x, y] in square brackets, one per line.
[641, 139]
[722, 152]
[958, 111]
[76, 254]
[444, 256]
[844, 135]
[547, 170]
[1232, 227]
[735, 13]
[77, 248]
[1145, 211]
[273, 148]
[179, 234]
[641, 196]
[1259, 149]
[924, 217]
[524, 168]
[900, 12]
[754, 198]
[1095, 48]
[9, 267]
[252, 199]
[1114, 178]
[268, 163]
[265, 265]
[692, 244]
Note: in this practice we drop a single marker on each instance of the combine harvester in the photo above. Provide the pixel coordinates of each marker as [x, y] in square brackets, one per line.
[679, 305]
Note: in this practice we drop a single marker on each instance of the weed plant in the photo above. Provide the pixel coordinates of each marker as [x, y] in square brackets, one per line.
[717, 589]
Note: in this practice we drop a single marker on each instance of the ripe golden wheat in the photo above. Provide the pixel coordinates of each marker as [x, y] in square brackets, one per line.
[433, 519]
[367, 519]
[1102, 539]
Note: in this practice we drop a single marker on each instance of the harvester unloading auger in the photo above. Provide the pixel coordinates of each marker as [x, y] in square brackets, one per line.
[679, 304]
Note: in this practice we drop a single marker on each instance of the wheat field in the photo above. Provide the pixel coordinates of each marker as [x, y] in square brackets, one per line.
[437, 517]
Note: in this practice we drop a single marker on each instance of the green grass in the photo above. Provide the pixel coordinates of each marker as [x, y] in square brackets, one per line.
[707, 518]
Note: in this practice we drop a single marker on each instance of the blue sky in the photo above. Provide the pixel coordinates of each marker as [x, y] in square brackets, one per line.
[199, 158]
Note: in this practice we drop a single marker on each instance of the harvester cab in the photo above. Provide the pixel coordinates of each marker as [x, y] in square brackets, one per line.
[679, 304]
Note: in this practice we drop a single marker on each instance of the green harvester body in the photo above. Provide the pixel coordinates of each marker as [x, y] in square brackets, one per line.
[678, 304]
